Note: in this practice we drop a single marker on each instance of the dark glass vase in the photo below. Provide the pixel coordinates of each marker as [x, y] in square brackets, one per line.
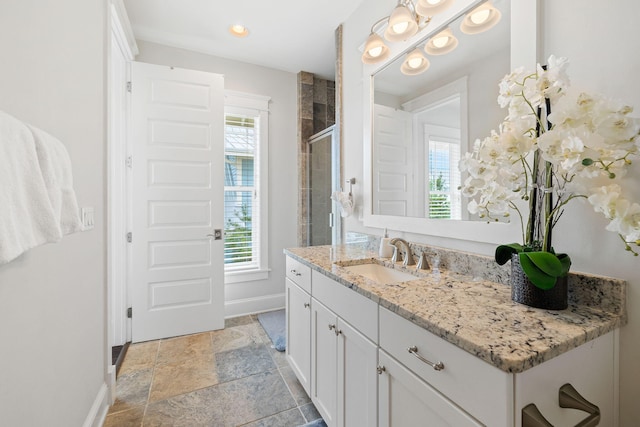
[525, 292]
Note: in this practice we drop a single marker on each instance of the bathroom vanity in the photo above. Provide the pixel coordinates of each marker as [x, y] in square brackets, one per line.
[446, 348]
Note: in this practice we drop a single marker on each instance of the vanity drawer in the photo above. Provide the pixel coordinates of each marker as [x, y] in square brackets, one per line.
[484, 391]
[356, 309]
[299, 273]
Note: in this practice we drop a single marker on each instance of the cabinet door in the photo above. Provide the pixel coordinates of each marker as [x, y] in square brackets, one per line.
[299, 333]
[404, 400]
[324, 361]
[357, 378]
[590, 369]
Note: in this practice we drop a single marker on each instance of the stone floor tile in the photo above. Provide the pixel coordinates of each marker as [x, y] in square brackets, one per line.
[140, 356]
[184, 348]
[236, 337]
[296, 389]
[310, 412]
[279, 357]
[290, 418]
[130, 418]
[238, 321]
[132, 390]
[172, 379]
[243, 362]
[230, 404]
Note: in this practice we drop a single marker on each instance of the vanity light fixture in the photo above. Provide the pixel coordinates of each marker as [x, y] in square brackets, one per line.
[415, 63]
[375, 50]
[432, 7]
[480, 19]
[239, 30]
[402, 22]
[441, 43]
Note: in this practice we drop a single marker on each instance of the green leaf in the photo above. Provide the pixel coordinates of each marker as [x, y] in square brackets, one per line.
[565, 260]
[547, 262]
[538, 277]
[587, 162]
[504, 252]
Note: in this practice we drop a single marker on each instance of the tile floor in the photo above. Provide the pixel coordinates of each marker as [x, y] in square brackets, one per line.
[231, 377]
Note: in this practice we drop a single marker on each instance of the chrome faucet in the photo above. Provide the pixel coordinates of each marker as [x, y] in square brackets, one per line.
[406, 254]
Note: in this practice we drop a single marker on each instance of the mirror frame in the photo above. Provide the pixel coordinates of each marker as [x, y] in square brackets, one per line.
[524, 52]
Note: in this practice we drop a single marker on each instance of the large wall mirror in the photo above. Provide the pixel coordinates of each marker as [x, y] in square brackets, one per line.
[419, 125]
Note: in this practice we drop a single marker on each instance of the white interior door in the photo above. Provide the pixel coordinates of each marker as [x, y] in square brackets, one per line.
[392, 162]
[177, 145]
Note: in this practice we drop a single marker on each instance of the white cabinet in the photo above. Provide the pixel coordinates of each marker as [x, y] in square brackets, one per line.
[483, 390]
[590, 369]
[406, 400]
[479, 391]
[343, 359]
[298, 350]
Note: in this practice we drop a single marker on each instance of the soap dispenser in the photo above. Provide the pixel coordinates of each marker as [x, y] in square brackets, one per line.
[386, 249]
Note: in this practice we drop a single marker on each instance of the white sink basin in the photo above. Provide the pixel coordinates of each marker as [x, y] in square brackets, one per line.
[380, 273]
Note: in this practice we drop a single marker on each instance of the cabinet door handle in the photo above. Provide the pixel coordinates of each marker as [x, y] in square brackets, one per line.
[295, 273]
[307, 305]
[332, 327]
[380, 369]
[438, 366]
[531, 417]
[568, 397]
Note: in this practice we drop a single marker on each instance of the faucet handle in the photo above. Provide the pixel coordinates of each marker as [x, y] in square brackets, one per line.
[397, 255]
[422, 262]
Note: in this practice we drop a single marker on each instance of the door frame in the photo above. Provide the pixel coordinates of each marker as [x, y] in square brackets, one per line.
[117, 221]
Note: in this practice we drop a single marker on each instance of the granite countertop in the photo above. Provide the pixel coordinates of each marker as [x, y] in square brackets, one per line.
[474, 314]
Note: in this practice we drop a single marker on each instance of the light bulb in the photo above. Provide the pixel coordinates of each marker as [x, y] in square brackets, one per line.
[440, 42]
[239, 30]
[375, 52]
[480, 16]
[400, 27]
[415, 63]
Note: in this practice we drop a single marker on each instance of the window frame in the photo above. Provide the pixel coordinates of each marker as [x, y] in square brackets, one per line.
[257, 106]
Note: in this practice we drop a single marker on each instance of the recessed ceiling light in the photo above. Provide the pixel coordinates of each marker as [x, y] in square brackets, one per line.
[239, 30]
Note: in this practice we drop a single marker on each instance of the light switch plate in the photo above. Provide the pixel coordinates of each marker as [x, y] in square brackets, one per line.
[86, 215]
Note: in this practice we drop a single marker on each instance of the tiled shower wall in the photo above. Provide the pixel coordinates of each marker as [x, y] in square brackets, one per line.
[316, 112]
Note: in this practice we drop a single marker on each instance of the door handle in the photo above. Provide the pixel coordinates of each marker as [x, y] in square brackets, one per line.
[217, 234]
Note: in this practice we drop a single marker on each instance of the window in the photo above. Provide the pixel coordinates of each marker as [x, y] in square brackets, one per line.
[245, 187]
[443, 179]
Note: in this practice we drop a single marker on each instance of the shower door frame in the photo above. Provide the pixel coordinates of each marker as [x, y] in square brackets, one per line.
[336, 177]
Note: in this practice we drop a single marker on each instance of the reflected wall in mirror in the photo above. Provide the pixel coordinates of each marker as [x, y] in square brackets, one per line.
[423, 123]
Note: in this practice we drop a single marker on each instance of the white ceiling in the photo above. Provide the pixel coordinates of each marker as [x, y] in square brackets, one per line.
[289, 35]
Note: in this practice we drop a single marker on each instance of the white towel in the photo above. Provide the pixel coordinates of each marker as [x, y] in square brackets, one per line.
[27, 215]
[345, 201]
[55, 166]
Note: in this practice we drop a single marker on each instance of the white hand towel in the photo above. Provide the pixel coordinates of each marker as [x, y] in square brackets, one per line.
[345, 201]
[26, 215]
[55, 165]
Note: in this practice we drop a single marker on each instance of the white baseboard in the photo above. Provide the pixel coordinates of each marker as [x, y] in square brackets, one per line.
[99, 409]
[242, 307]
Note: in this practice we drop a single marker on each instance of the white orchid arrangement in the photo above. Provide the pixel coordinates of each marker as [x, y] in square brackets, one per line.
[552, 148]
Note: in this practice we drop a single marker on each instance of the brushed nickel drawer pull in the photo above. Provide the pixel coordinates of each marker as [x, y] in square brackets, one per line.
[380, 369]
[438, 366]
[295, 273]
[531, 417]
[307, 305]
[568, 397]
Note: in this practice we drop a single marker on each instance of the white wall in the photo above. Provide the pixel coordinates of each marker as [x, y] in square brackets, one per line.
[281, 86]
[52, 299]
[602, 44]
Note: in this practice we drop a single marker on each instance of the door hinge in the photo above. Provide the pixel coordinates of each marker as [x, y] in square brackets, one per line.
[129, 313]
[129, 85]
[129, 237]
[129, 161]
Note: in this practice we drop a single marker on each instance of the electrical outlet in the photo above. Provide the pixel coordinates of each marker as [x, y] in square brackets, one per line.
[87, 218]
